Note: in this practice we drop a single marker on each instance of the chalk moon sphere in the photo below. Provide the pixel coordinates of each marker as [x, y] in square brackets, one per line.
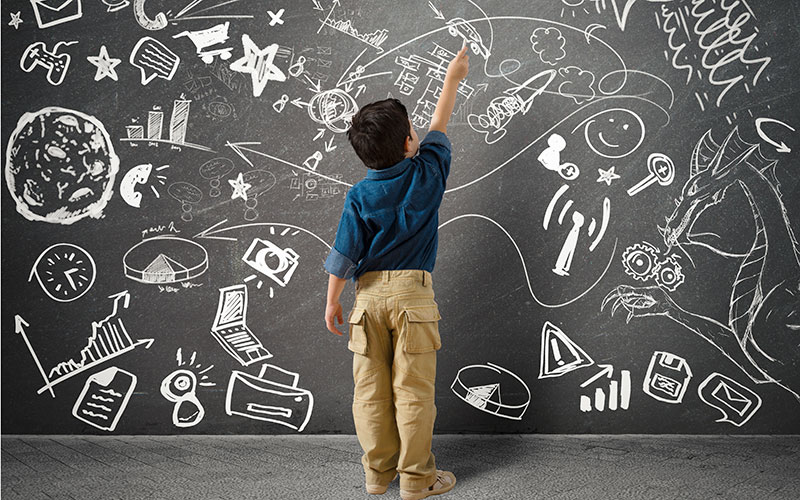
[60, 166]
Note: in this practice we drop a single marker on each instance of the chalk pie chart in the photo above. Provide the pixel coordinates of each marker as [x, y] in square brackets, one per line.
[492, 389]
[164, 260]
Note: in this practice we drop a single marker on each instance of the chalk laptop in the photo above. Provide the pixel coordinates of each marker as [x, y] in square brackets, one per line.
[230, 327]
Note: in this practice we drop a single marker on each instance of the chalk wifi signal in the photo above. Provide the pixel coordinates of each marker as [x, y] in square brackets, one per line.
[559, 354]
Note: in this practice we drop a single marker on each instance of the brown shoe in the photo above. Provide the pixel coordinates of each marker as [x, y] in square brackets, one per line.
[444, 482]
[379, 489]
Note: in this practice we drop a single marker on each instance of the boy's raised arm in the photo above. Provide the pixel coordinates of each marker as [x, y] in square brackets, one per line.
[456, 71]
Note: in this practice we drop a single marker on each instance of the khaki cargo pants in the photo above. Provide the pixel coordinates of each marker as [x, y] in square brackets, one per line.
[394, 333]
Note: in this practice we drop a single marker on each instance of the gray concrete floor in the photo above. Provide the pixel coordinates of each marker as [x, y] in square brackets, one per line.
[328, 467]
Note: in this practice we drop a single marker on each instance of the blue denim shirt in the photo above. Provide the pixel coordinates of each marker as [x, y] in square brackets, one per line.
[391, 217]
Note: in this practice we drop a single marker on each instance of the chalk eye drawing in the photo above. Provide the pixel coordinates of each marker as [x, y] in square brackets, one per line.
[275, 17]
[550, 158]
[780, 147]
[736, 402]
[16, 19]
[60, 166]
[492, 389]
[51, 13]
[313, 187]
[165, 259]
[259, 64]
[272, 396]
[613, 133]
[459, 27]
[644, 262]
[105, 65]
[374, 39]
[109, 339]
[213, 170]
[260, 182]
[154, 60]
[667, 377]
[577, 84]
[188, 194]
[616, 395]
[565, 256]
[720, 40]
[560, 354]
[56, 64]
[607, 176]
[548, 43]
[139, 175]
[278, 264]
[231, 330]
[115, 5]
[104, 398]
[239, 187]
[429, 72]
[204, 39]
[503, 108]
[660, 169]
[757, 334]
[178, 125]
[64, 271]
[180, 387]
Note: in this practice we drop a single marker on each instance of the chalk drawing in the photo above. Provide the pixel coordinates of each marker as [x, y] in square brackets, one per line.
[231, 330]
[259, 64]
[559, 354]
[154, 132]
[661, 170]
[204, 39]
[484, 388]
[180, 387]
[64, 271]
[16, 19]
[165, 259]
[56, 64]
[188, 194]
[105, 65]
[104, 398]
[51, 13]
[736, 402]
[667, 377]
[213, 170]
[154, 60]
[60, 166]
[459, 27]
[614, 396]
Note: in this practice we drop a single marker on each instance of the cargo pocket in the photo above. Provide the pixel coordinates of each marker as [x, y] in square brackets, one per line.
[422, 329]
[358, 335]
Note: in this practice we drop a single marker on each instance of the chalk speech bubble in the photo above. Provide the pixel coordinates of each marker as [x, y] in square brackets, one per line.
[154, 59]
[736, 402]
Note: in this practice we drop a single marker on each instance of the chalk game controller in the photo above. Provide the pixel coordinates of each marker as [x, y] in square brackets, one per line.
[37, 55]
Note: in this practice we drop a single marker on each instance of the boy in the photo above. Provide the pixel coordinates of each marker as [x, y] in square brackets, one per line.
[386, 241]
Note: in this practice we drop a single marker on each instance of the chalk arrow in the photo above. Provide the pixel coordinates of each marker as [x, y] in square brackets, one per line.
[329, 145]
[779, 147]
[320, 133]
[605, 370]
[361, 88]
[437, 12]
[19, 327]
[297, 102]
[481, 87]
[317, 5]
[314, 86]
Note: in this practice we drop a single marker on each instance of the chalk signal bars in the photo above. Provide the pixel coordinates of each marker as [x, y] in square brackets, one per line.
[179, 123]
[616, 396]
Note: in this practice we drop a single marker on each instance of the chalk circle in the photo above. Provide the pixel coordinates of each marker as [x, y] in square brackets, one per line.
[165, 260]
[509, 67]
[613, 133]
[60, 166]
[333, 108]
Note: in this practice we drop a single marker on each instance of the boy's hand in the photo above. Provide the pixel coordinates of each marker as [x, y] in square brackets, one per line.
[334, 310]
[459, 66]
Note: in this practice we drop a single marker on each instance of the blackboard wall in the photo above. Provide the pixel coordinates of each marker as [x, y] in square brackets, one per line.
[616, 251]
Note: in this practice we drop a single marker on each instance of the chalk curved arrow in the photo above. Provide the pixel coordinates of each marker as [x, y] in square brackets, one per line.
[780, 147]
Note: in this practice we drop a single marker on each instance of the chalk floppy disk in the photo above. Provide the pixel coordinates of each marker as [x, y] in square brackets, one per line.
[667, 377]
[492, 389]
[164, 260]
[272, 396]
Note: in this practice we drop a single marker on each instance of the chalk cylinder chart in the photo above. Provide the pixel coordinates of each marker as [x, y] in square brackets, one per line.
[617, 243]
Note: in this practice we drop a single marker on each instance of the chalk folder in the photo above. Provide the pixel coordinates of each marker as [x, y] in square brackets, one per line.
[54, 12]
[272, 396]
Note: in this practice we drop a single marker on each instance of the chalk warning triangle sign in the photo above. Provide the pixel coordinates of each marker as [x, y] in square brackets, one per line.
[559, 354]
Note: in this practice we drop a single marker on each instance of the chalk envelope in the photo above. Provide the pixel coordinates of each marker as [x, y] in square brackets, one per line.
[272, 396]
[54, 12]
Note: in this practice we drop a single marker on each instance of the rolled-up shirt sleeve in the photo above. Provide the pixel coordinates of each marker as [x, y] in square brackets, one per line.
[348, 249]
[435, 149]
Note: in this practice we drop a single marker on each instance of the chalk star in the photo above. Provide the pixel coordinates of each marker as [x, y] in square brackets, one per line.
[240, 187]
[259, 63]
[607, 175]
[105, 65]
[15, 20]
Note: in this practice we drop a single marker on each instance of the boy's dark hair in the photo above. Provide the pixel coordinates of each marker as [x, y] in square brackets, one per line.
[378, 133]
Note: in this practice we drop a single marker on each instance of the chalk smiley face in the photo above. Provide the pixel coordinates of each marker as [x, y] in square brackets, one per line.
[613, 133]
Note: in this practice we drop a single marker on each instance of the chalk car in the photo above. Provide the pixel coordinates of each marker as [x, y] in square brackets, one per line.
[458, 26]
